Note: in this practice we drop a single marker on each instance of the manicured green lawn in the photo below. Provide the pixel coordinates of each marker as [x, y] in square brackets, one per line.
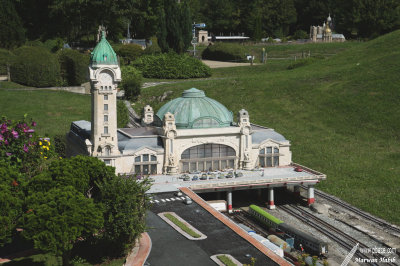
[52, 110]
[182, 225]
[226, 260]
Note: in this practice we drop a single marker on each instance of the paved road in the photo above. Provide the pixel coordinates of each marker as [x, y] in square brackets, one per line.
[170, 248]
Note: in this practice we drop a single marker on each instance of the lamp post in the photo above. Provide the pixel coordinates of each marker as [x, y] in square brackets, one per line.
[194, 39]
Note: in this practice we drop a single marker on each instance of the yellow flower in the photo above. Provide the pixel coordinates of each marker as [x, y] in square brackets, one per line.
[60, 158]
[40, 143]
[45, 157]
[41, 152]
[47, 148]
[44, 147]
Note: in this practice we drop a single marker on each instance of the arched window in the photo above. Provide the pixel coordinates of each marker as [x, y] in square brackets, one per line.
[269, 157]
[208, 157]
[145, 164]
[107, 151]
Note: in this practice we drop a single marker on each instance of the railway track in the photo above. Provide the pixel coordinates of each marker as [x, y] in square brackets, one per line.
[243, 217]
[355, 210]
[332, 232]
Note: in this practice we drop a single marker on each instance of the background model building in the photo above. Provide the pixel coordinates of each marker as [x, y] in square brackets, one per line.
[189, 133]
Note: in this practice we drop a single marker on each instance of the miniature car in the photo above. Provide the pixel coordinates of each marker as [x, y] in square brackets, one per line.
[178, 194]
[212, 176]
[203, 177]
[183, 176]
[221, 176]
[229, 175]
[298, 169]
[186, 178]
[195, 178]
[238, 174]
[187, 201]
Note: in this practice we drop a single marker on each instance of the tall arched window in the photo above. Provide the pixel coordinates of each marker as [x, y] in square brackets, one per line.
[107, 151]
[207, 157]
[269, 157]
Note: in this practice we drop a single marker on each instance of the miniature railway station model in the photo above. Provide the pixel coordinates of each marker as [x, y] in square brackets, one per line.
[192, 141]
[192, 133]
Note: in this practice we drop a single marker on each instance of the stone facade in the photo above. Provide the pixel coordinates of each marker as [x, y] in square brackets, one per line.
[190, 133]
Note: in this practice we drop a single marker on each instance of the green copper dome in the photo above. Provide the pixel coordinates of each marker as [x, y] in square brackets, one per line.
[195, 110]
[103, 53]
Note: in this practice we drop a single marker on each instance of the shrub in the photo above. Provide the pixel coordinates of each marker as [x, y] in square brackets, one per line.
[122, 114]
[54, 44]
[225, 52]
[129, 52]
[35, 66]
[300, 34]
[74, 66]
[5, 58]
[131, 82]
[171, 66]
[154, 48]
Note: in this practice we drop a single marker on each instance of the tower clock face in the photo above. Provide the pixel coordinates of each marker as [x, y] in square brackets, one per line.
[105, 78]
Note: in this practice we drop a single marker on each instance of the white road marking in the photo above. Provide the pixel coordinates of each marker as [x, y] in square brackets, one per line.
[167, 199]
[157, 201]
[162, 200]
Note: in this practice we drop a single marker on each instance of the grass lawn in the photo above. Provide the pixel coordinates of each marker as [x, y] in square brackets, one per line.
[52, 110]
[181, 225]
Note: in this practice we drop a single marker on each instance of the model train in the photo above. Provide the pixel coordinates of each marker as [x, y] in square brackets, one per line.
[308, 242]
[277, 250]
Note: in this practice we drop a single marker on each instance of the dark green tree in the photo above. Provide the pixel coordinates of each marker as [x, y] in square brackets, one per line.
[12, 33]
[125, 204]
[57, 218]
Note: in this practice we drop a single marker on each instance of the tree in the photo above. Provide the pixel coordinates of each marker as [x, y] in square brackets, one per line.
[125, 204]
[57, 218]
[12, 33]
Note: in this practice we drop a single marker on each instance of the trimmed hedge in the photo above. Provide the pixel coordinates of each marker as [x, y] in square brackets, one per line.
[74, 67]
[171, 66]
[35, 66]
[6, 57]
[131, 82]
[129, 52]
[231, 52]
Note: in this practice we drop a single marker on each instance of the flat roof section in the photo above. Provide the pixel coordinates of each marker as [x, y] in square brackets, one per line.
[267, 177]
[140, 131]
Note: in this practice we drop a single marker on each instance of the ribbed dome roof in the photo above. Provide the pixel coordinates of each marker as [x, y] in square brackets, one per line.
[195, 110]
[103, 53]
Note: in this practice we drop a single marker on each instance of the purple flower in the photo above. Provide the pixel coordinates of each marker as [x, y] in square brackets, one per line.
[3, 128]
[30, 136]
[34, 124]
[15, 134]
[26, 148]
[25, 125]
[6, 142]
[8, 153]
[1, 137]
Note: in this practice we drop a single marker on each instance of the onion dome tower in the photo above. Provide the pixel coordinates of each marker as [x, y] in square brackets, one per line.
[105, 74]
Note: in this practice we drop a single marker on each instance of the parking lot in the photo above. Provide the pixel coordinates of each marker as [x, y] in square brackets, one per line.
[171, 248]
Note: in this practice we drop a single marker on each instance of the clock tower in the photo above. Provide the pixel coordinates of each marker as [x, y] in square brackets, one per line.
[105, 75]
